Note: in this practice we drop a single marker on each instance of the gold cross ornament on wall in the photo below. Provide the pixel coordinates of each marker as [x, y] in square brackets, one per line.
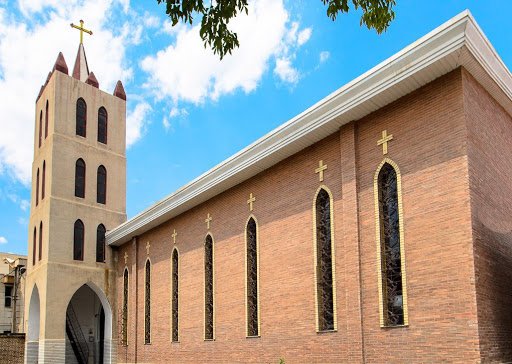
[147, 247]
[384, 141]
[82, 30]
[250, 201]
[207, 221]
[174, 235]
[320, 170]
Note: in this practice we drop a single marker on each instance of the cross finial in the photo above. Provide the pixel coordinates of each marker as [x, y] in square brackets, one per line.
[250, 201]
[82, 30]
[147, 247]
[207, 221]
[125, 257]
[174, 235]
[384, 141]
[320, 170]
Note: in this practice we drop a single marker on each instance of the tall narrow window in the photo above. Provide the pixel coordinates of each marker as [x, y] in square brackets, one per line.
[81, 117]
[43, 182]
[34, 246]
[102, 125]
[37, 187]
[125, 308]
[46, 121]
[252, 278]
[40, 128]
[175, 296]
[78, 240]
[80, 178]
[393, 297]
[101, 185]
[147, 305]
[100, 243]
[324, 262]
[208, 288]
[40, 240]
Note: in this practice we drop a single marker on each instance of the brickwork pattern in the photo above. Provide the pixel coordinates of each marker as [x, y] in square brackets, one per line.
[12, 348]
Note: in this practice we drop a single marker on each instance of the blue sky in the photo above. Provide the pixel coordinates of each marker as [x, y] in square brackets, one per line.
[186, 110]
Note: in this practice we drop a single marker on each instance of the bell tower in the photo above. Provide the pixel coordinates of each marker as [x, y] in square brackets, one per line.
[78, 193]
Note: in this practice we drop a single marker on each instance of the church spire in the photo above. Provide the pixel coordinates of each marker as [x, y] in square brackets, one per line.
[81, 69]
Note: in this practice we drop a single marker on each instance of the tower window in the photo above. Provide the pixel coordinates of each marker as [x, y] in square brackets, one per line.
[80, 178]
[40, 128]
[124, 334]
[252, 278]
[46, 121]
[102, 125]
[147, 305]
[40, 240]
[8, 296]
[101, 188]
[43, 183]
[34, 246]
[175, 296]
[78, 240]
[208, 288]
[324, 262]
[37, 187]
[100, 243]
[81, 117]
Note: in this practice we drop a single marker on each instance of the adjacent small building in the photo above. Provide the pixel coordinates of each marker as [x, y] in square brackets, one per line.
[12, 292]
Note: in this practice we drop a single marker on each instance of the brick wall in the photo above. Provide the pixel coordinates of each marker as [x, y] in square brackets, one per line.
[12, 348]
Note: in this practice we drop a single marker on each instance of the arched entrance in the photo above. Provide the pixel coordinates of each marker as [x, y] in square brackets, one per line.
[88, 327]
[34, 319]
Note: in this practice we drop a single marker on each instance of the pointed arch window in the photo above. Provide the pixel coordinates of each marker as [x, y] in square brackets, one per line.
[40, 240]
[43, 182]
[101, 185]
[175, 296]
[100, 243]
[80, 178]
[124, 333]
[324, 262]
[147, 304]
[208, 289]
[252, 278]
[102, 125]
[78, 240]
[37, 187]
[81, 117]
[392, 289]
[40, 128]
[46, 121]
[34, 246]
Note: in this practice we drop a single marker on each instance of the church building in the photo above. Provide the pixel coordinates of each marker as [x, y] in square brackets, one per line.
[374, 227]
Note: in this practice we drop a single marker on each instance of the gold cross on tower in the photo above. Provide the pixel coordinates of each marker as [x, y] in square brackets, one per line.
[174, 235]
[147, 247]
[207, 221]
[125, 258]
[82, 30]
[320, 170]
[250, 201]
[384, 141]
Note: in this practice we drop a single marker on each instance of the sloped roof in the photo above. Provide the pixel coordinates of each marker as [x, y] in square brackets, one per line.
[458, 42]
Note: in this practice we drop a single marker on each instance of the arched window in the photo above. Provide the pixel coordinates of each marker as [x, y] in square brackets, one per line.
[81, 117]
[34, 247]
[208, 288]
[101, 185]
[102, 125]
[40, 240]
[100, 243]
[125, 309]
[43, 183]
[324, 263]
[175, 296]
[78, 240]
[40, 128]
[251, 240]
[46, 121]
[37, 187]
[391, 275]
[80, 178]
[147, 305]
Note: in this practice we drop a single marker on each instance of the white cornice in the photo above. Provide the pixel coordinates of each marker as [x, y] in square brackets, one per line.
[458, 42]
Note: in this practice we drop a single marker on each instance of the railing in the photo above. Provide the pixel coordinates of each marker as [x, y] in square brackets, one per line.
[76, 336]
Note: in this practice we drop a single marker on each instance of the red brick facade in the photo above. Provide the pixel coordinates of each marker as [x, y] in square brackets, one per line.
[457, 246]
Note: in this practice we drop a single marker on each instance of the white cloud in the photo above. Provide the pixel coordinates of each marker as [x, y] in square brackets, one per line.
[3, 240]
[186, 71]
[324, 56]
[24, 205]
[136, 123]
[304, 36]
[167, 124]
[28, 49]
[151, 21]
[285, 71]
